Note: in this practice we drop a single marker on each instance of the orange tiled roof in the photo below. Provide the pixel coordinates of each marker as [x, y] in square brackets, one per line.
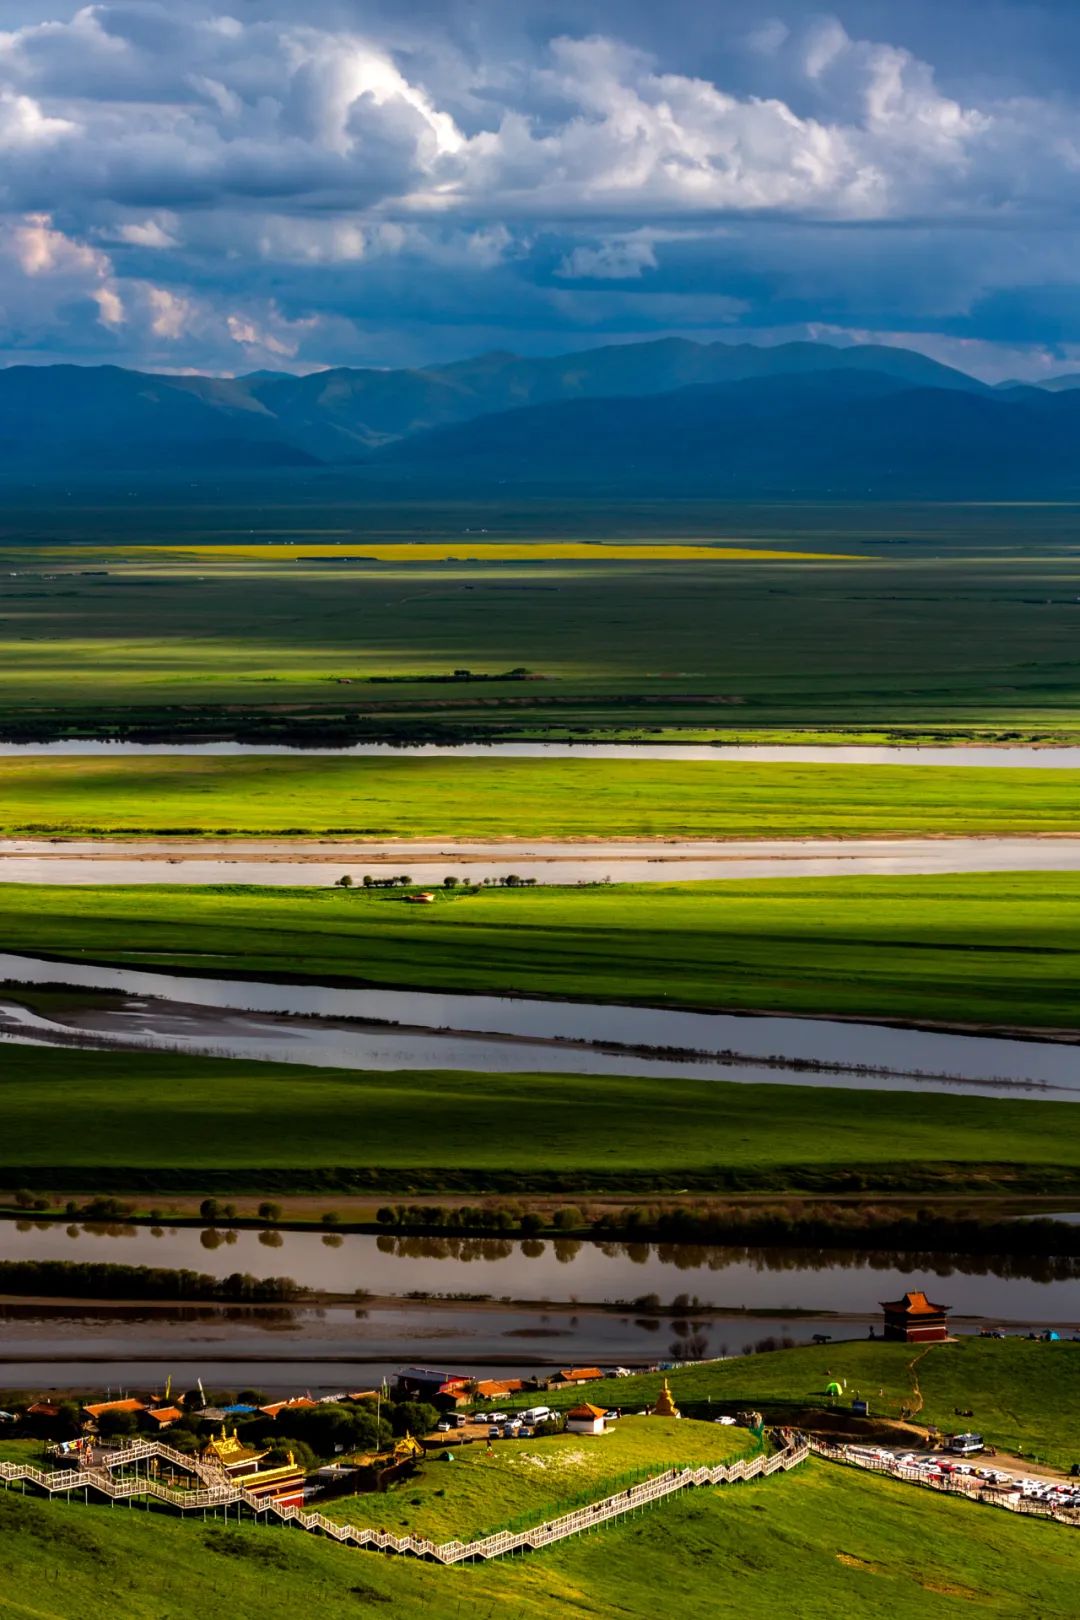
[914, 1303]
[488, 1387]
[165, 1414]
[114, 1406]
[580, 1375]
[298, 1401]
[585, 1410]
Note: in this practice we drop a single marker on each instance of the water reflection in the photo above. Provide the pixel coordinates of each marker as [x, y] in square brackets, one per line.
[643, 1277]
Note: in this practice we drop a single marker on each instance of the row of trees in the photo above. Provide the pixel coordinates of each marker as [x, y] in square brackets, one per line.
[92, 1279]
[402, 881]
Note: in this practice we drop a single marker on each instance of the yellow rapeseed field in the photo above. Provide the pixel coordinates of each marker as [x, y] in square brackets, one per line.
[466, 551]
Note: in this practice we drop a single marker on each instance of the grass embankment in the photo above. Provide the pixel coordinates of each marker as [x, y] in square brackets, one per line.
[1024, 1395]
[532, 1480]
[823, 1542]
[497, 798]
[1000, 949]
[161, 1122]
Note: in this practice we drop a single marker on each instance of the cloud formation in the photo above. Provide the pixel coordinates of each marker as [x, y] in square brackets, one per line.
[181, 186]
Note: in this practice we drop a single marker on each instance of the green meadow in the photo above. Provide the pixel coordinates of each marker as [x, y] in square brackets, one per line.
[493, 798]
[987, 949]
[166, 1121]
[821, 1543]
[953, 620]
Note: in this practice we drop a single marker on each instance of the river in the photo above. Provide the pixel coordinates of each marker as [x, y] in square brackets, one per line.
[1050, 758]
[521, 1034]
[315, 862]
[760, 1294]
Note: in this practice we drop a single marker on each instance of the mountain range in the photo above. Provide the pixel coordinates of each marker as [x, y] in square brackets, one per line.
[796, 419]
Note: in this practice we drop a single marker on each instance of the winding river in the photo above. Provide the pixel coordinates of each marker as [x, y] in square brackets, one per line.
[406, 1029]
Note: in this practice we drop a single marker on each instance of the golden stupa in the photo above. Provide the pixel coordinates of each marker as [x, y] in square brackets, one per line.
[665, 1404]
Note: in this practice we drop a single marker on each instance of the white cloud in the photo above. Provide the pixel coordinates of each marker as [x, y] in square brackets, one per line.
[170, 315]
[147, 233]
[110, 306]
[621, 258]
[23, 124]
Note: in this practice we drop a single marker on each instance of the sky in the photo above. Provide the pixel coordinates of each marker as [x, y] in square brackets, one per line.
[227, 185]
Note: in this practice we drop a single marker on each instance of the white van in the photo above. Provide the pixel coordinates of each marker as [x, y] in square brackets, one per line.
[536, 1414]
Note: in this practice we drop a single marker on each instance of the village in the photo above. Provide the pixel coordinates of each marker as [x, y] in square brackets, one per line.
[432, 1438]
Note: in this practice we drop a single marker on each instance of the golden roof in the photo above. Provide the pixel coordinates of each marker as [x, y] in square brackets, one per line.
[228, 1449]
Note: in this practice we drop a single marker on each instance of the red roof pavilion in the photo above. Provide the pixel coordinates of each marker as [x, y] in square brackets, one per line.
[915, 1319]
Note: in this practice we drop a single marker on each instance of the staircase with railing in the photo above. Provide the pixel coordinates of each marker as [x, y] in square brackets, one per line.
[98, 1480]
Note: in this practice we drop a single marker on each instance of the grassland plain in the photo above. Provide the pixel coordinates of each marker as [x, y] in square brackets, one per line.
[1024, 1394]
[985, 949]
[945, 620]
[496, 798]
[525, 1484]
[107, 1120]
[820, 1544]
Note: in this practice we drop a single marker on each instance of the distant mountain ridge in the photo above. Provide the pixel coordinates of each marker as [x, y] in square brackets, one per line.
[793, 419]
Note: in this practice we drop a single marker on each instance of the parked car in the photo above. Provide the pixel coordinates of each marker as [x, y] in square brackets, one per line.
[443, 1427]
[494, 1432]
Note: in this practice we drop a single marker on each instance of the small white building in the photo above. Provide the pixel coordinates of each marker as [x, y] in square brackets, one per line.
[586, 1419]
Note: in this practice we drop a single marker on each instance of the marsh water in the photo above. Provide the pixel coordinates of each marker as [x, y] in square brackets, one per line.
[520, 1304]
[404, 1029]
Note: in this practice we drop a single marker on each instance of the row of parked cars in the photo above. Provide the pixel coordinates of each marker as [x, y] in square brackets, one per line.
[1050, 1492]
[501, 1425]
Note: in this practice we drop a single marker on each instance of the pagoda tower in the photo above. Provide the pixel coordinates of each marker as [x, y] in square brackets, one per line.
[665, 1404]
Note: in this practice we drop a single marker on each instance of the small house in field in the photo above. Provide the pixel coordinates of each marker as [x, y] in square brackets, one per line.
[915, 1319]
[586, 1419]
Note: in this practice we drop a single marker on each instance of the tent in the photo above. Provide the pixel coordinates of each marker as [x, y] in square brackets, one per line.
[833, 1388]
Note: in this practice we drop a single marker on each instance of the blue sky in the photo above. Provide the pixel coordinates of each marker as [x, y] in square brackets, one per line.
[227, 184]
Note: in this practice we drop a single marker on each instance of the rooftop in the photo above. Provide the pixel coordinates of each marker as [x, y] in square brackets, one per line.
[914, 1303]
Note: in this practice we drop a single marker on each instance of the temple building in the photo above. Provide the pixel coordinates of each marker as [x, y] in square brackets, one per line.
[665, 1403]
[915, 1319]
[283, 1484]
[586, 1419]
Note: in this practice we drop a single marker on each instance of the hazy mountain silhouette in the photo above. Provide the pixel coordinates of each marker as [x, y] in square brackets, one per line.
[797, 418]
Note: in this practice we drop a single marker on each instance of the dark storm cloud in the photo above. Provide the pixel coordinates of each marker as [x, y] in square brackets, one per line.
[195, 184]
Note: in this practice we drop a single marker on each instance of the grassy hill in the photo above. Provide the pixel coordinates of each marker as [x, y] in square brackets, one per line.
[1024, 1395]
[823, 1543]
[528, 1481]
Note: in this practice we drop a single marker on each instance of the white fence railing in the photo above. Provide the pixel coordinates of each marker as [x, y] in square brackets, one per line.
[100, 1481]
